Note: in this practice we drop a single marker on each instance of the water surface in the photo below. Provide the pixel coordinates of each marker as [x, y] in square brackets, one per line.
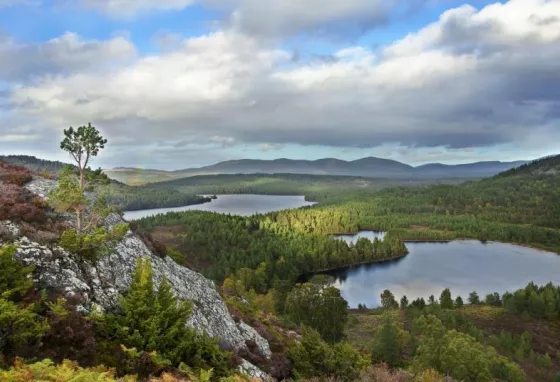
[462, 266]
[244, 205]
[371, 235]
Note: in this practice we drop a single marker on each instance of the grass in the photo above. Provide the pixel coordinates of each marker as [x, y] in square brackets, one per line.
[362, 325]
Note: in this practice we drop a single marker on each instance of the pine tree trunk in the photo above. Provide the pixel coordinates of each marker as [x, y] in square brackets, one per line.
[79, 220]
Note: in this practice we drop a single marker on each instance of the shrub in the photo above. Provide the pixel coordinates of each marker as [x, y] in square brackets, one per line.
[148, 322]
[389, 343]
[21, 329]
[71, 335]
[153, 245]
[47, 371]
[15, 280]
[18, 204]
[93, 245]
[312, 357]
[13, 174]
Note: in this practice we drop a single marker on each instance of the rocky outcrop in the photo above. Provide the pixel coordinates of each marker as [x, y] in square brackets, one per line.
[41, 186]
[101, 284]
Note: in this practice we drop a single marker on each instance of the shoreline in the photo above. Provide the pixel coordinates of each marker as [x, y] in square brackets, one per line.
[526, 245]
[380, 261]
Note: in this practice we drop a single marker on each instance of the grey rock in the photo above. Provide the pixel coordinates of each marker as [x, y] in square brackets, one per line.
[99, 286]
[253, 371]
[41, 186]
[10, 228]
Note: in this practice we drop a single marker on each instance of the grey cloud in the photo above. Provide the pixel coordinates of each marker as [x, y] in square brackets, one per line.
[63, 55]
[315, 17]
[229, 89]
[544, 20]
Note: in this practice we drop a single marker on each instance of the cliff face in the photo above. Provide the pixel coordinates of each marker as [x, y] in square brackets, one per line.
[100, 284]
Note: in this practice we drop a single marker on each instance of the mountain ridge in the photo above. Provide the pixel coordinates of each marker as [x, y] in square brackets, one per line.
[369, 167]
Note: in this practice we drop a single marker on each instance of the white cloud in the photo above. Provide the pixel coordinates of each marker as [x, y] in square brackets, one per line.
[430, 89]
[497, 26]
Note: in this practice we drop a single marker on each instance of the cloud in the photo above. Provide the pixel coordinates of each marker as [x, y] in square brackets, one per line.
[290, 17]
[131, 8]
[274, 18]
[66, 54]
[448, 85]
[497, 27]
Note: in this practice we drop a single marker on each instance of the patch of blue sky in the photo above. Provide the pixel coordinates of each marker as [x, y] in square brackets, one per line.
[49, 20]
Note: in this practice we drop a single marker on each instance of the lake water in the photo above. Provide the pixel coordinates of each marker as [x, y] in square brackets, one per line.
[462, 266]
[244, 205]
[371, 235]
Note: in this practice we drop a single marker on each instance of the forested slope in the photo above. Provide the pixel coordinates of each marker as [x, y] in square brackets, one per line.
[521, 206]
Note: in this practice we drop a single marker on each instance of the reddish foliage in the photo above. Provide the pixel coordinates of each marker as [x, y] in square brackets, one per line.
[280, 366]
[71, 336]
[18, 204]
[153, 245]
[12, 174]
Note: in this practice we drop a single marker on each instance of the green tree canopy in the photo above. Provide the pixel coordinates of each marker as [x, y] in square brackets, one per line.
[388, 300]
[149, 322]
[389, 343]
[320, 308]
[445, 299]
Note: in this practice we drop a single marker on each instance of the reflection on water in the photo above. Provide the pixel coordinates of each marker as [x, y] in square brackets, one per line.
[244, 205]
[462, 266]
[371, 235]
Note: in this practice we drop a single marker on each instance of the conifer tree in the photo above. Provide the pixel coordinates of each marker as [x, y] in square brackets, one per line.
[445, 299]
[388, 300]
[155, 323]
[404, 302]
[389, 343]
[473, 298]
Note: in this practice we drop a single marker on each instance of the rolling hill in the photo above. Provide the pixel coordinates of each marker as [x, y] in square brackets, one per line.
[369, 167]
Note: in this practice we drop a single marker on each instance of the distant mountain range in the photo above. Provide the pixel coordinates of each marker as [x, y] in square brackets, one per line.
[366, 167]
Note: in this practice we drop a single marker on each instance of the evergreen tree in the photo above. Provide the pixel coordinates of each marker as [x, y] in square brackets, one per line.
[459, 302]
[445, 299]
[322, 309]
[151, 322]
[388, 300]
[20, 326]
[15, 280]
[389, 343]
[313, 358]
[82, 144]
[432, 300]
[404, 302]
[473, 298]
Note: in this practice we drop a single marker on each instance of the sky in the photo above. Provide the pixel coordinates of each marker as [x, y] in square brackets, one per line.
[184, 83]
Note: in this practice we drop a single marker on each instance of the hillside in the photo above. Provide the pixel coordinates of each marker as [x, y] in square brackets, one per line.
[32, 238]
[117, 194]
[366, 167]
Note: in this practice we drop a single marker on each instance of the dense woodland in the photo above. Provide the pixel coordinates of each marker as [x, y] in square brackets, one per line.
[314, 187]
[221, 245]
